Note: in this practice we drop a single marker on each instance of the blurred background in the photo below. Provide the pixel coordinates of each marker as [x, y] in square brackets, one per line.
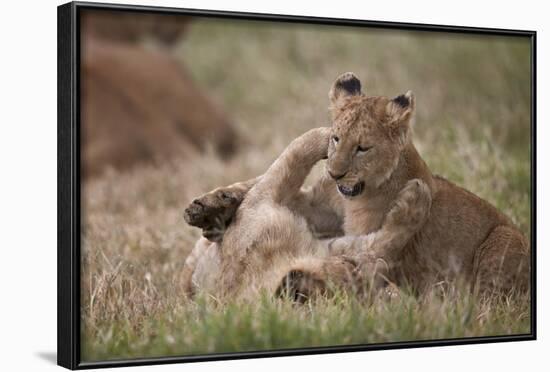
[174, 106]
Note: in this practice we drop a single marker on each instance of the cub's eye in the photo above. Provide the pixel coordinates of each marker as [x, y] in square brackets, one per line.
[335, 139]
[363, 149]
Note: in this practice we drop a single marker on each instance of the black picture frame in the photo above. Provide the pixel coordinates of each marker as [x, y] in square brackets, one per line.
[69, 184]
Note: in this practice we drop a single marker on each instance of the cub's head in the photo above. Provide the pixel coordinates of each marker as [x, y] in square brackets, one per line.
[368, 135]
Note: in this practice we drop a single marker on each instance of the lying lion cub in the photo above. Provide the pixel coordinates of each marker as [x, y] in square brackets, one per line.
[377, 188]
[269, 246]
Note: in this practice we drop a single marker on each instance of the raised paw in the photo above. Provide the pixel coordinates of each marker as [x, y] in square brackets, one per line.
[412, 206]
[214, 211]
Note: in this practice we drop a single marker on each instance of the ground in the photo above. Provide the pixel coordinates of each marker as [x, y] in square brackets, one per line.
[472, 127]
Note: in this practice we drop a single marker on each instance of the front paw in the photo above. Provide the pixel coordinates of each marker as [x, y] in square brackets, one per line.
[213, 209]
[412, 206]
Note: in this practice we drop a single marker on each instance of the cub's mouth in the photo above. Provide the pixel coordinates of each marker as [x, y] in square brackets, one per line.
[352, 191]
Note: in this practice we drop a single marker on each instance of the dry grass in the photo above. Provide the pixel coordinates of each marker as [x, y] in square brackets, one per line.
[472, 127]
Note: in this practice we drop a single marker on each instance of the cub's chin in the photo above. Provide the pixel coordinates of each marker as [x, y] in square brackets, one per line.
[350, 192]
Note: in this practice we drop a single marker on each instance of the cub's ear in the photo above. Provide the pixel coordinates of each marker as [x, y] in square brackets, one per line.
[399, 112]
[346, 85]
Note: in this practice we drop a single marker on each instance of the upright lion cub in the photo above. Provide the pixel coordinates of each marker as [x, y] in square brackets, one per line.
[371, 159]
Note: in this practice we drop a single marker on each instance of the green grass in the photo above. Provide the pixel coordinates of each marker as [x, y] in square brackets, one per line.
[472, 127]
[202, 326]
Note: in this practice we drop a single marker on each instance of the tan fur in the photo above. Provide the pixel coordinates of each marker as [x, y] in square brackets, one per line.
[462, 236]
[267, 240]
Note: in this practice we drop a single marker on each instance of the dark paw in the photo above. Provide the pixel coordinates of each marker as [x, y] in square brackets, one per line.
[213, 212]
[213, 209]
[299, 286]
[195, 214]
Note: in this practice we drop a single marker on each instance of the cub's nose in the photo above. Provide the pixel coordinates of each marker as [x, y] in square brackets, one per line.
[337, 176]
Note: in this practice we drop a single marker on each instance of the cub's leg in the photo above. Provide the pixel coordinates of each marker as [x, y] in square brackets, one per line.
[379, 254]
[406, 217]
[320, 205]
[366, 258]
[264, 229]
[502, 262]
[214, 211]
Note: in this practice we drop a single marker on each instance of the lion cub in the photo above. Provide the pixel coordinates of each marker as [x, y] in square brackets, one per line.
[371, 158]
[269, 245]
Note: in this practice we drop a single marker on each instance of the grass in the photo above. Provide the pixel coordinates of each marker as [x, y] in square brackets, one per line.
[472, 127]
[203, 326]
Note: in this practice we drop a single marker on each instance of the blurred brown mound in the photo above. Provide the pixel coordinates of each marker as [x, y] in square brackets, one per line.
[133, 27]
[139, 104]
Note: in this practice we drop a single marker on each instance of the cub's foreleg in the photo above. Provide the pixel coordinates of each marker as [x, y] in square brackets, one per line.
[265, 230]
[320, 205]
[379, 252]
